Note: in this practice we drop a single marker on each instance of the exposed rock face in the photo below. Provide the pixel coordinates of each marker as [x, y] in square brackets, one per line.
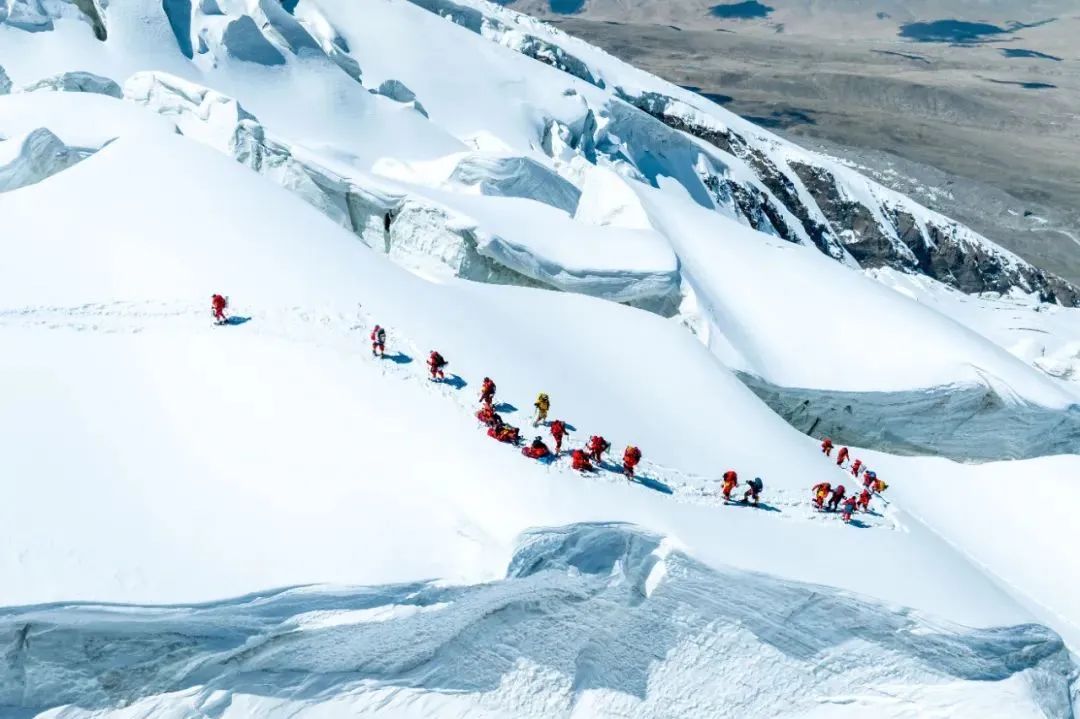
[834, 213]
[517, 177]
[512, 37]
[794, 194]
[945, 252]
[77, 81]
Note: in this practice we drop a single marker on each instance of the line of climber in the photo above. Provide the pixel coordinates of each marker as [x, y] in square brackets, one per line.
[582, 459]
[827, 498]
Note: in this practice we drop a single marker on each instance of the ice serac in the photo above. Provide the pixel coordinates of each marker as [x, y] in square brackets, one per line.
[516, 177]
[530, 45]
[5, 82]
[77, 81]
[243, 41]
[538, 643]
[39, 15]
[844, 212]
[964, 423]
[536, 246]
[399, 92]
[222, 123]
[33, 157]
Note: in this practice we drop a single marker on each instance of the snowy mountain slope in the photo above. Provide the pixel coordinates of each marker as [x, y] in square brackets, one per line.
[335, 172]
[138, 337]
[770, 184]
[151, 457]
[637, 264]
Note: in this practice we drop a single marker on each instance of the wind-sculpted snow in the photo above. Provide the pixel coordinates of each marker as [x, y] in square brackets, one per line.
[597, 619]
[516, 177]
[33, 157]
[504, 239]
[965, 423]
[77, 81]
[399, 92]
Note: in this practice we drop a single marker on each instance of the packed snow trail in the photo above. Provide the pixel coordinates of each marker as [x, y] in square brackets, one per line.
[348, 333]
[560, 635]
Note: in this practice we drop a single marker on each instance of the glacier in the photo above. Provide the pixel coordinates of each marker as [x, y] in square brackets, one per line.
[262, 519]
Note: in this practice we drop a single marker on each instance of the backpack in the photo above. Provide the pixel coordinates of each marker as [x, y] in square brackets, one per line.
[757, 484]
[378, 335]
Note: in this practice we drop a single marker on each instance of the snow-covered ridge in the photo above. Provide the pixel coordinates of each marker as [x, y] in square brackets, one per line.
[550, 639]
[842, 212]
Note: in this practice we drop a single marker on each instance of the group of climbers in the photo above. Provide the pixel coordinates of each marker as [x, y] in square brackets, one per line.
[754, 488]
[832, 499]
[582, 459]
[825, 496]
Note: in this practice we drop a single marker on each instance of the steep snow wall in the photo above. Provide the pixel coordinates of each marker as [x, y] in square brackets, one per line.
[475, 241]
[517, 177]
[597, 619]
[964, 423]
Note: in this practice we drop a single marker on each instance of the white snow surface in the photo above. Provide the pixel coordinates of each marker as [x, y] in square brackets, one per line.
[153, 458]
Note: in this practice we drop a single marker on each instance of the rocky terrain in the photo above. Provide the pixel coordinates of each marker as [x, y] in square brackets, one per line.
[985, 123]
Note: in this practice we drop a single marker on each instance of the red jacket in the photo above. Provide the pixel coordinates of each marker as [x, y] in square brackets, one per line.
[218, 302]
[558, 429]
[631, 456]
[580, 460]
